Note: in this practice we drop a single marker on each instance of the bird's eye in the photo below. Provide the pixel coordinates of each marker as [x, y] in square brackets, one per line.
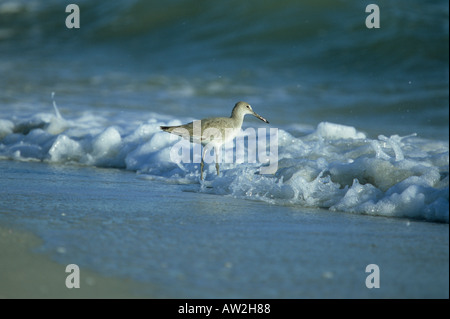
[248, 106]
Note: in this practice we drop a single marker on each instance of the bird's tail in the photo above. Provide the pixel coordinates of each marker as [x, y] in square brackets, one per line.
[168, 128]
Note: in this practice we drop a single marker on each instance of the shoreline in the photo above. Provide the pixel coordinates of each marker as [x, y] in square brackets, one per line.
[25, 274]
[156, 240]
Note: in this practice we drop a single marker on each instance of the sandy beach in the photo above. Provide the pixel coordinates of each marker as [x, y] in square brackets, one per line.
[25, 274]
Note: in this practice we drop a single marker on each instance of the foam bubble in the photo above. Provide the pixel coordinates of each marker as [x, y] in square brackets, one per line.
[106, 143]
[337, 131]
[6, 128]
[64, 149]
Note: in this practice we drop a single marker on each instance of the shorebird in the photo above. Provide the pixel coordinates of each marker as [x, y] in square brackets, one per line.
[214, 131]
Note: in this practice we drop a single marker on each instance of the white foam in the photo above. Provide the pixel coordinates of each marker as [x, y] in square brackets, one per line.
[335, 166]
[337, 131]
[106, 147]
[6, 128]
[64, 149]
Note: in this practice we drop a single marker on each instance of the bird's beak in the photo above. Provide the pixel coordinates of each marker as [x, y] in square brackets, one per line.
[260, 117]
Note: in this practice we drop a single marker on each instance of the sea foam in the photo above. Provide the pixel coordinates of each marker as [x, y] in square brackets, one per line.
[335, 166]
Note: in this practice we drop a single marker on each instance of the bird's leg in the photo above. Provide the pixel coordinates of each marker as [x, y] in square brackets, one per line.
[202, 164]
[217, 160]
[201, 169]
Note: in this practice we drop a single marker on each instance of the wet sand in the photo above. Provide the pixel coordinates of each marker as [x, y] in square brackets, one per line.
[25, 274]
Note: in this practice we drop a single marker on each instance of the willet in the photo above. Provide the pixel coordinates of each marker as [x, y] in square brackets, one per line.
[214, 131]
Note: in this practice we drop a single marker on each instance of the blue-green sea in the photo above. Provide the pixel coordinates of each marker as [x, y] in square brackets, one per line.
[362, 123]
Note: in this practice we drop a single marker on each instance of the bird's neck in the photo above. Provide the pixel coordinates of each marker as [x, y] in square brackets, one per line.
[237, 118]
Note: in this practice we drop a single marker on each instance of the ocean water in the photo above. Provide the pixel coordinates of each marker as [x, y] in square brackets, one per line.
[361, 114]
[177, 243]
[297, 63]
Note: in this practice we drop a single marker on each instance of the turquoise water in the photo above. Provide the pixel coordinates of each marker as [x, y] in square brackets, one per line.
[295, 62]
